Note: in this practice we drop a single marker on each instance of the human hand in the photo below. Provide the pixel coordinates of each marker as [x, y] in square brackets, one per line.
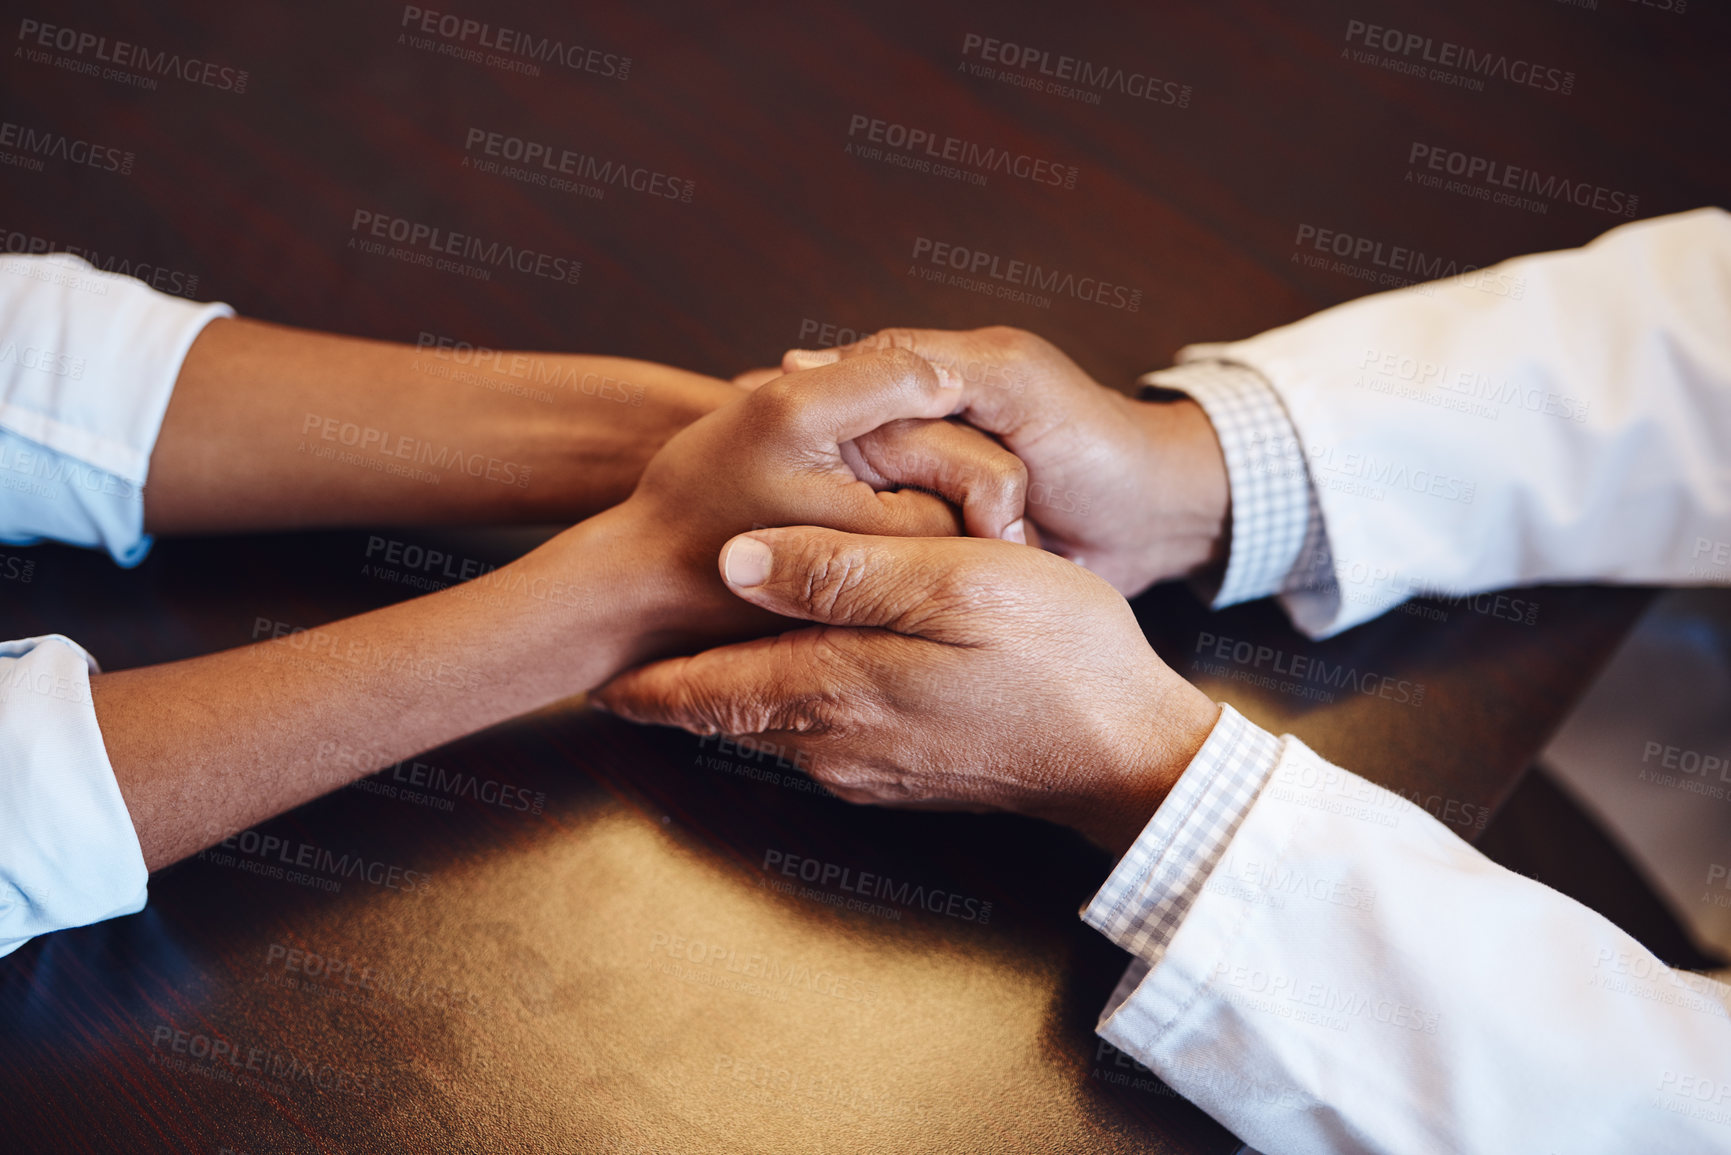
[781, 455]
[968, 673]
[1136, 491]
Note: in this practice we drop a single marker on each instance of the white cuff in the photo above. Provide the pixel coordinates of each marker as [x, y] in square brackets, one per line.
[88, 362]
[68, 852]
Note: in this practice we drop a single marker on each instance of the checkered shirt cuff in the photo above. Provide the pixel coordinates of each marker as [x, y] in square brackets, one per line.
[1157, 881]
[1278, 539]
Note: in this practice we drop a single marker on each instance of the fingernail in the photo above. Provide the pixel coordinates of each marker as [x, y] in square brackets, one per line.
[1017, 531]
[799, 359]
[746, 563]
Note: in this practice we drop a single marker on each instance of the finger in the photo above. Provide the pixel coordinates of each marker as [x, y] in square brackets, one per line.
[752, 378]
[968, 468]
[992, 363]
[792, 683]
[799, 360]
[839, 402]
[940, 589]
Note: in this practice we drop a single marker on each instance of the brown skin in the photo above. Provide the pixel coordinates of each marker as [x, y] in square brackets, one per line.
[209, 746]
[971, 674]
[953, 673]
[230, 455]
[1134, 490]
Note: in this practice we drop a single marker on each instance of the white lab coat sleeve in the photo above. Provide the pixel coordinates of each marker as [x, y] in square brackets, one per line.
[1554, 418]
[68, 852]
[1352, 977]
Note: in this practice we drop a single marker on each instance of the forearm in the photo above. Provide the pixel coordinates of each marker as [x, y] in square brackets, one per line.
[271, 427]
[205, 747]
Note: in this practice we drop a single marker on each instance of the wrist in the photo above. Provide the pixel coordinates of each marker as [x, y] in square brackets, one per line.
[1157, 743]
[1182, 475]
[636, 597]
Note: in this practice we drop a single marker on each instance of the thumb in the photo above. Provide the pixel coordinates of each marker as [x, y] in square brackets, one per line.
[913, 586]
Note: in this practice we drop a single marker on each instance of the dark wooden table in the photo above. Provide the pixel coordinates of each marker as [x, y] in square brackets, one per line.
[593, 958]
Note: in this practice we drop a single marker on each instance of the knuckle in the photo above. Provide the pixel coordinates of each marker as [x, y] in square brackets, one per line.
[1009, 478]
[1007, 337]
[966, 585]
[777, 404]
[896, 337]
[909, 365]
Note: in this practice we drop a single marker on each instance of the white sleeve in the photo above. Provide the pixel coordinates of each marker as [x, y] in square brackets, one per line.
[88, 361]
[1558, 417]
[87, 364]
[68, 852]
[1352, 977]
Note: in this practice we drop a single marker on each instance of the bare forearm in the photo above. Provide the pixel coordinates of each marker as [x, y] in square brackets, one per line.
[272, 427]
[209, 746]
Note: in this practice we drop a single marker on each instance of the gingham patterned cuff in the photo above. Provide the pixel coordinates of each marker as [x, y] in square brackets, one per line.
[1156, 882]
[1277, 529]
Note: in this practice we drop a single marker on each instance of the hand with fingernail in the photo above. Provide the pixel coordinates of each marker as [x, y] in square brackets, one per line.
[862, 446]
[1134, 490]
[947, 672]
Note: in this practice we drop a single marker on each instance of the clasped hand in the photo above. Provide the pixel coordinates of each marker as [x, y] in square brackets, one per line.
[941, 671]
